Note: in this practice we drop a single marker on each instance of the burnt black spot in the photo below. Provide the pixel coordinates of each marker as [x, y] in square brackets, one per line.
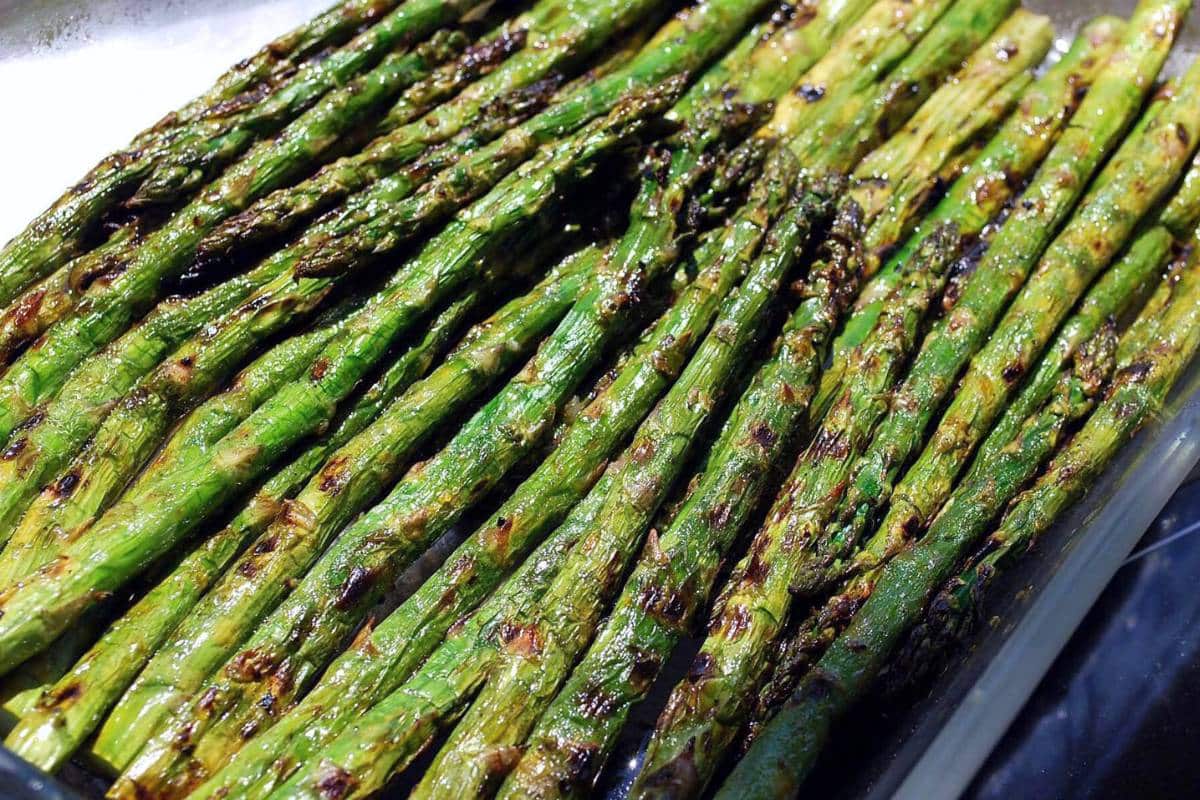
[810, 93]
[1136, 372]
[764, 436]
[828, 444]
[1013, 372]
[335, 783]
[267, 545]
[65, 485]
[319, 368]
[1182, 134]
[702, 668]
[595, 702]
[355, 587]
[15, 449]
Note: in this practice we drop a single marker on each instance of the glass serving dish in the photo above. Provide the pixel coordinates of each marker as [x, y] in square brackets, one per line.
[120, 64]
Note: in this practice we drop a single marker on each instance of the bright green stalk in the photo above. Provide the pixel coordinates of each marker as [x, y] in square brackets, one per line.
[43, 444]
[348, 481]
[1139, 175]
[1114, 293]
[389, 654]
[59, 233]
[131, 433]
[990, 182]
[351, 575]
[894, 180]
[569, 745]
[102, 296]
[562, 33]
[370, 227]
[72, 709]
[786, 750]
[389, 736]
[704, 712]
[471, 646]
[523, 682]
[1107, 110]
[150, 522]
[844, 132]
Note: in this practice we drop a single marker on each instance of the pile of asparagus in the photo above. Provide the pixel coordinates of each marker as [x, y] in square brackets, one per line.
[434, 378]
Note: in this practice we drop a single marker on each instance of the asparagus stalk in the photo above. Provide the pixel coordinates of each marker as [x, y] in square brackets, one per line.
[58, 234]
[389, 654]
[955, 608]
[430, 498]
[61, 231]
[844, 132]
[649, 458]
[472, 644]
[1109, 106]
[283, 292]
[1114, 293]
[473, 759]
[989, 183]
[109, 292]
[151, 521]
[570, 31]
[894, 180]
[122, 442]
[1139, 175]
[704, 712]
[784, 753]
[347, 481]
[70, 710]
[567, 748]
[553, 41]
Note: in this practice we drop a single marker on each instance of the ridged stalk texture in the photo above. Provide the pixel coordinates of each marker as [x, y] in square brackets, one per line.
[151, 521]
[1095, 129]
[786, 750]
[473, 760]
[73, 708]
[101, 296]
[1139, 175]
[569, 745]
[62, 231]
[388, 655]
[351, 575]
[704, 711]
[561, 35]
[989, 183]
[350, 478]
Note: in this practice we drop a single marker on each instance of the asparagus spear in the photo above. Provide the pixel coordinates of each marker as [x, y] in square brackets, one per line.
[349, 478]
[107, 293]
[989, 183]
[704, 712]
[569, 31]
[844, 132]
[68, 712]
[151, 521]
[1114, 293]
[568, 746]
[649, 458]
[430, 498]
[894, 180]
[60, 232]
[1107, 109]
[784, 753]
[1140, 174]
[474, 756]
[555, 41]
[389, 654]
[284, 296]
